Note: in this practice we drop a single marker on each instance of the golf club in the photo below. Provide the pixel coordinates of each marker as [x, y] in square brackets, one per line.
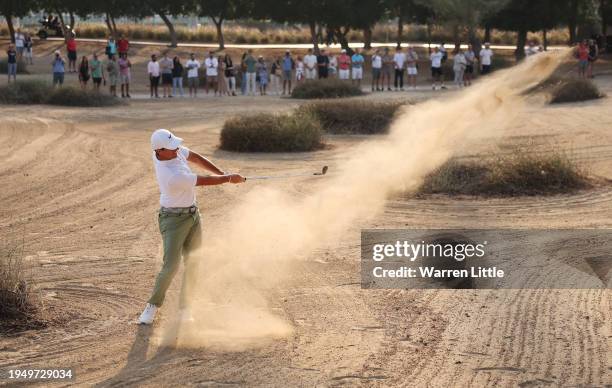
[319, 173]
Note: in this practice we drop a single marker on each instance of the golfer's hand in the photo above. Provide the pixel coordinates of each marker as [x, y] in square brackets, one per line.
[236, 178]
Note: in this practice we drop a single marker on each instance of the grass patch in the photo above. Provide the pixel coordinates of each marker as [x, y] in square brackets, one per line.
[518, 174]
[573, 90]
[267, 132]
[353, 116]
[22, 68]
[18, 303]
[41, 92]
[325, 88]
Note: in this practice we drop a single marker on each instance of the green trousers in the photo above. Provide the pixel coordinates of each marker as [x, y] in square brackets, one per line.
[181, 235]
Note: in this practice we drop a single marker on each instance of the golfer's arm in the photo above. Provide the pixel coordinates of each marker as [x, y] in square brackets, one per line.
[204, 163]
[212, 180]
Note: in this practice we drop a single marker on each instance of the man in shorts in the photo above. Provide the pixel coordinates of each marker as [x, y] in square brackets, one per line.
[193, 78]
[19, 43]
[166, 65]
[486, 54]
[212, 72]
[310, 63]
[357, 61]
[470, 59]
[376, 70]
[124, 74]
[97, 71]
[412, 66]
[112, 67]
[58, 69]
[154, 74]
[344, 65]
[287, 66]
[436, 69]
[71, 46]
[387, 68]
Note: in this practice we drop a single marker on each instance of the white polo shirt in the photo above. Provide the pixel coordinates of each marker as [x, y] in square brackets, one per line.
[192, 65]
[176, 181]
[399, 59]
[153, 68]
[211, 66]
[310, 61]
[485, 56]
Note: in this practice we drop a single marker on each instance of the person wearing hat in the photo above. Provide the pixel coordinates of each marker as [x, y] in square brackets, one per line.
[58, 65]
[179, 217]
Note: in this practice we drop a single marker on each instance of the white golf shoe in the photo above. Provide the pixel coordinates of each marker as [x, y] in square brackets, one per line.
[148, 315]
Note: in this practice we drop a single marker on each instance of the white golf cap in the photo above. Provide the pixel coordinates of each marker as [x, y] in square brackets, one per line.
[162, 138]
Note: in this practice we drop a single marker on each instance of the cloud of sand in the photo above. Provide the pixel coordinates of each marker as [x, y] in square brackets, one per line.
[244, 258]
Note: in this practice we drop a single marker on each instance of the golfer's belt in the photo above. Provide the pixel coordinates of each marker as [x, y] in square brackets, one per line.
[179, 210]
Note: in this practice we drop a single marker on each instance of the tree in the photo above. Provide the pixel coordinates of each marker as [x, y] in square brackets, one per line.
[221, 10]
[341, 16]
[164, 9]
[14, 8]
[408, 11]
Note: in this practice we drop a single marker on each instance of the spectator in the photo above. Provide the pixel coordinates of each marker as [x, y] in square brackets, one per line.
[387, 69]
[212, 72]
[71, 46]
[251, 75]
[333, 66]
[112, 68]
[19, 43]
[436, 69]
[459, 66]
[111, 47]
[583, 58]
[376, 70]
[58, 66]
[125, 74]
[123, 45]
[262, 74]
[412, 69]
[154, 74]
[299, 70]
[193, 79]
[399, 60]
[357, 67]
[243, 73]
[84, 72]
[486, 55]
[166, 66]
[230, 74]
[275, 70]
[11, 62]
[221, 81]
[28, 43]
[97, 72]
[531, 49]
[344, 65]
[288, 65]
[593, 55]
[323, 64]
[310, 63]
[470, 58]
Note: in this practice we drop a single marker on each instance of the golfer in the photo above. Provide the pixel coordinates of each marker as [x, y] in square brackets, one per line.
[179, 217]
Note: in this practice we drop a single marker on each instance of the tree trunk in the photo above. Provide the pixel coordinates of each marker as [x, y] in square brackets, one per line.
[604, 19]
[400, 29]
[487, 34]
[572, 22]
[457, 39]
[71, 20]
[342, 38]
[521, 40]
[62, 24]
[219, 26]
[173, 38]
[429, 27]
[545, 39]
[367, 38]
[115, 32]
[313, 35]
[473, 39]
[11, 28]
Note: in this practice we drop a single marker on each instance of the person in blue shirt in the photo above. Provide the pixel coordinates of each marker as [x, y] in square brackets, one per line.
[357, 63]
[287, 65]
[58, 69]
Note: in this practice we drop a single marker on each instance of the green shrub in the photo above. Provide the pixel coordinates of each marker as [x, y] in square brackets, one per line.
[22, 68]
[325, 88]
[41, 92]
[574, 89]
[267, 132]
[518, 174]
[353, 116]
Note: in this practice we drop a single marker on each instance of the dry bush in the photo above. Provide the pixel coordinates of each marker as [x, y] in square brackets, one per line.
[353, 116]
[573, 90]
[267, 132]
[518, 174]
[325, 88]
[22, 68]
[41, 92]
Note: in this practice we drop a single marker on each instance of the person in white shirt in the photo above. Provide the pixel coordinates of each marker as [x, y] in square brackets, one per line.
[310, 64]
[470, 58]
[411, 66]
[459, 65]
[485, 59]
[376, 70]
[531, 49]
[399, 60]
[436, 68]
[179, 217]
[154, 74]
[212, 65]
[19, 43]
[193, 79]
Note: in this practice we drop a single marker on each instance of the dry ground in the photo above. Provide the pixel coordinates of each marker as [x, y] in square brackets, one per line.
[78, 184]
